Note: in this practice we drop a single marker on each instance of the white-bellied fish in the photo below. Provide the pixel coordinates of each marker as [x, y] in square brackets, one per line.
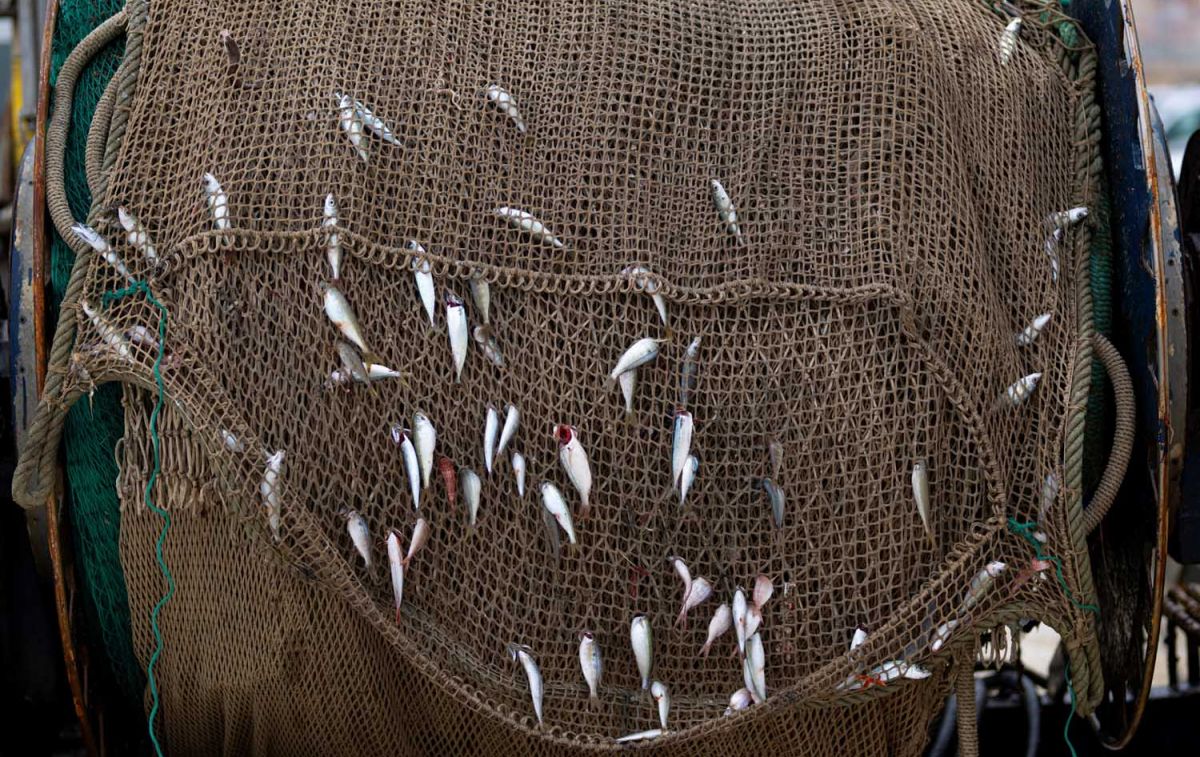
[722, 621]
[685, 574]
[1064, 218]
[524, 221]
[456, 325]
[628, 384]
[491, 430]
[351, 122]
[653, 733]
[1051, 246]
[1050, 489]
[942, 635]
[93, 239]
[691, 466]
[341, 314]
[352, 362]
[425, 440]
[396, 569]
[1021, 390]
[333, 242]
[1008, 40]
[725, 210]
[697, 594]
[661, 696]
[552, 500]
[518, 466]
[360, 534]
[421, 533]
[486, 341]
[468, 481]
[681, 444]
[687, 375]
[218, 202]
[920, 487]
[776, 499]
[641, 636]
[423, 275]
[402, 437]
[1031, 332]
[739, 700]
[504, 102]
[371, 122]
[374, 371]
[756, 666]
[523, 654]
[741, 611]
[763, 590]
[268, 488]
[651, 288]
[231, 442]
[512, 419]
[574, 460]
[590, 663]
[639, 353]
[481, 295]
[136, 234]
[109, 334]
[858, 639]
[982, 582]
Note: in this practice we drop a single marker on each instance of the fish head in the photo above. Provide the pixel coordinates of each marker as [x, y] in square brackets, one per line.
[275, 459]
[399, 433]
[587, 636]
[330, 205]
[564, 434]
[995, 568]
[211, 184]
[128, 222]
[658, 690]
[453, 300]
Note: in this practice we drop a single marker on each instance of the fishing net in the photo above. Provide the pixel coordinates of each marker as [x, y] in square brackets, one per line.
[892, 180]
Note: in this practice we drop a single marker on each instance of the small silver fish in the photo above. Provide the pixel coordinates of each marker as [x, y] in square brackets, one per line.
[775, 453]
[422, 271]
[1065, 218]
[681, 444]
[1052, 241]
[218, 202]
[722, 621]
[421, 533]
[1008, 40]
[982, 582]
[137, 236]
[740, 612]
[589, 661]
[1021, 390]
[756, 667]
[144, 336]
[93, 239]
[518, 465]
[487, 342]
[639, 353]
[725, 209]
[481, 295]
[425, 439]
[1031, 332]
[697, 594]
[231, 442]
[491, 428]
[1050, 490]
[396, 569]
[660, 694]
[776, 498]
[685, 574]
[687, 376]
[333, 244]
[352, 364]
[456, 324]
[895, 669]
[371, 122]
[469, 484]
[942, 635]
[351, 123]
[628, 383]
[653, 733]
[753, 619]
[641, 636]
[526, 222]
[512, 419]
[690, 467]
[574, 460]
[650, 288]
[108, 333]
[402, 437]
[268, 488]
[859, 638]
[341, 314]
[920, 487]
[739, 700]
[360, 535]
[524, 655]
[375, 371]
[552, 500]
[506, 104]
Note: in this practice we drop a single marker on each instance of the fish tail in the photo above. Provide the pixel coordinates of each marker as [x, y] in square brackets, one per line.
[668, 333]
[705, 649]
[584, 508]
[593, 701]
[397, 616]
[370, 357]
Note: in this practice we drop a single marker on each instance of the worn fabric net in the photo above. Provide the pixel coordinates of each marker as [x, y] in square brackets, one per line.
[892, 180]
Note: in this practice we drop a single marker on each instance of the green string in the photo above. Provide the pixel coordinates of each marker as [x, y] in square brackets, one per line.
[141, 287]
[1026, 531]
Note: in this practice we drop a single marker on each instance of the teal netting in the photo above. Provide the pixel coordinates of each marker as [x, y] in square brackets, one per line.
[92, 429]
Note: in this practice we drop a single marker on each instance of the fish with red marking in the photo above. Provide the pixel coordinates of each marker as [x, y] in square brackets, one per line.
[574, 460]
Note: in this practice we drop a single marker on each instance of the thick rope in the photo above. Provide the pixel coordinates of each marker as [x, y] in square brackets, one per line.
[35, 469]
[964, 690]
[97, 139]
[1122, 444]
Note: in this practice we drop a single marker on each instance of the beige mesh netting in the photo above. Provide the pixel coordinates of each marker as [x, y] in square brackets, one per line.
[892, 180]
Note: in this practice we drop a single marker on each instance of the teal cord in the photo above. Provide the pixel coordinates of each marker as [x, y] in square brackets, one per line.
[1071, 714]
[143, 288]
